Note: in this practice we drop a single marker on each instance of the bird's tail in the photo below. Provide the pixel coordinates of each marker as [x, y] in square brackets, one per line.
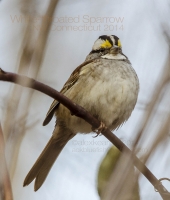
[42, 166]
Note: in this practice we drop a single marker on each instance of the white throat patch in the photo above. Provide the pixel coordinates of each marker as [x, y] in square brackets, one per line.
[114, 57]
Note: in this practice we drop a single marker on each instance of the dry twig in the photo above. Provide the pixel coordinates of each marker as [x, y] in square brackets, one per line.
[82, 113]
[5, 184]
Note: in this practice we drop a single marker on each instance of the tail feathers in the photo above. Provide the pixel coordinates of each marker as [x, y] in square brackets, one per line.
[42, 166]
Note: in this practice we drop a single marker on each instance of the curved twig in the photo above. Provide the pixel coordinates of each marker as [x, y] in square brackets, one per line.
[82, 113]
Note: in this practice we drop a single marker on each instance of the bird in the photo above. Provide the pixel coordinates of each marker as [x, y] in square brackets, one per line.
[106, 85]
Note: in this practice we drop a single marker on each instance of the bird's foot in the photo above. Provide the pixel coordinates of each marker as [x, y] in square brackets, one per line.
[98, 130]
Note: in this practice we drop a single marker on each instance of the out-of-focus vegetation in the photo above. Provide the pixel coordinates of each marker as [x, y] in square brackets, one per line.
[106, 169]
[32, 46]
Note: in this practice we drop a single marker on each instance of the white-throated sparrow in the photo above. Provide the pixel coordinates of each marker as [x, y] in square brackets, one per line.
[106, 85]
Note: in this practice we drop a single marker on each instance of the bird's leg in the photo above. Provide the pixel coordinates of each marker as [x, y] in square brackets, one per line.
[98, 130]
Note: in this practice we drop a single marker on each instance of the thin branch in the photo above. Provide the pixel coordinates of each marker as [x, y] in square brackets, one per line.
[42, 38]
[163, 81]
[5, 183]
[82, 113]
[32, 53]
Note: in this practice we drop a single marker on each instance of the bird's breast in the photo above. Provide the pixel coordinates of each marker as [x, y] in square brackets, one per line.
[107, 89]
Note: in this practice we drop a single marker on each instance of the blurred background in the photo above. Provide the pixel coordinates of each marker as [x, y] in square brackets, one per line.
[47, 41]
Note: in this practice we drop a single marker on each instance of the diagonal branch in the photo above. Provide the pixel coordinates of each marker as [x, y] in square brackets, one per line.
[82, 113]
[5, 183]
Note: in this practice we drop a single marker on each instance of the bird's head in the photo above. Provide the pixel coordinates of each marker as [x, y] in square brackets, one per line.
[106, 42]
[107, 46]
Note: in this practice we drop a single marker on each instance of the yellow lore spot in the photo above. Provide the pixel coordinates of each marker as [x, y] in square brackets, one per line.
[119, 43]
[106, 44]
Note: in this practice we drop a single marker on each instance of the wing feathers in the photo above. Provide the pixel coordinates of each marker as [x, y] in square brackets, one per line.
[70, 82]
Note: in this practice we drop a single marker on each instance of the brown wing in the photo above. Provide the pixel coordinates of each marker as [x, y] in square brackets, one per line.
[70, 82]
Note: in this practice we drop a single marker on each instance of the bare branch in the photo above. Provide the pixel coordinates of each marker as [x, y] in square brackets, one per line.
[5, 184]
[82, 113]
[32, 53]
